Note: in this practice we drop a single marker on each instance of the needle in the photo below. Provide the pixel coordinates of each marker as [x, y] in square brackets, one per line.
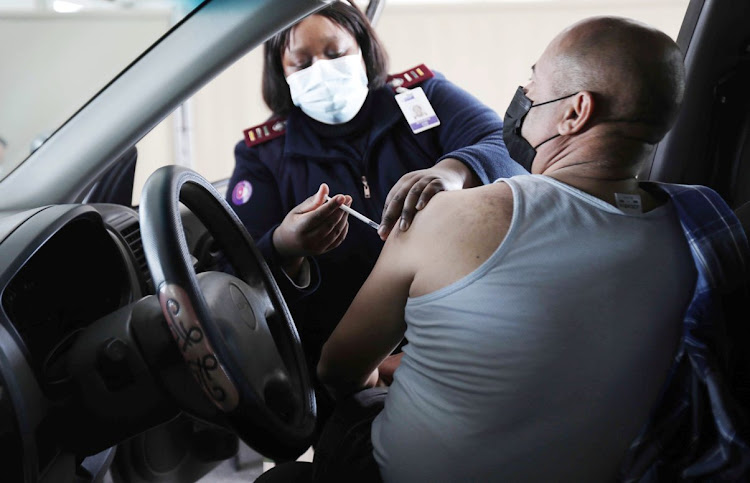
[357, 215]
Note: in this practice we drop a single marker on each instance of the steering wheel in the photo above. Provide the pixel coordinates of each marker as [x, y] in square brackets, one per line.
[234, 333]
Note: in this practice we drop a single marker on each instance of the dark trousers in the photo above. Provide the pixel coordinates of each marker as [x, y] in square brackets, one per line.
[344, 450]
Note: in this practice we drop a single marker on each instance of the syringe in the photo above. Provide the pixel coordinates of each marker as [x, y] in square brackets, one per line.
[356, 214]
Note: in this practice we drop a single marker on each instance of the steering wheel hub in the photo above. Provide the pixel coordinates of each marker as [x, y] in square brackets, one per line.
[244, 309]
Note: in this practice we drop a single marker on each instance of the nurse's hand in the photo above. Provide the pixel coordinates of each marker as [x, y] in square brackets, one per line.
[312, 228]
[414, 190]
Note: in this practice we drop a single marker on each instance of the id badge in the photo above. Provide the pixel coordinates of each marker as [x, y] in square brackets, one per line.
[417, 110]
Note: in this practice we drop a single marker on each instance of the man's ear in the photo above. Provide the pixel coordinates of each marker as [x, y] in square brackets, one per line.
[577, 114]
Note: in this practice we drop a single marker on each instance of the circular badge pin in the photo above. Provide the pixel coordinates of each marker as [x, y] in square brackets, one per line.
[242, 192]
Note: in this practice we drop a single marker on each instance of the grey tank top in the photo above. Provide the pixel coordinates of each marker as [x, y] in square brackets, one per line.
[543, 363]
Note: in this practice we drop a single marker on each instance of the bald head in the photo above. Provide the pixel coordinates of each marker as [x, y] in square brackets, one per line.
[635, 72]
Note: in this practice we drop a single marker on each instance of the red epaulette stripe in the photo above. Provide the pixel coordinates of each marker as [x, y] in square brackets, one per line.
[264, 132]
[410, 77]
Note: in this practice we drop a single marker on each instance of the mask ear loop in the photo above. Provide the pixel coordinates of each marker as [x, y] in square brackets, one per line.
[549, 102]
[553, 100]
[547, 140]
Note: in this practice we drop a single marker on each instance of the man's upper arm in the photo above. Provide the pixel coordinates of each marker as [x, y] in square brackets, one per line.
[374, 324]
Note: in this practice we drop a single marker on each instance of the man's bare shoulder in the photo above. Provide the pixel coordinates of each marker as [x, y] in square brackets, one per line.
[491, 202]
[455, 233]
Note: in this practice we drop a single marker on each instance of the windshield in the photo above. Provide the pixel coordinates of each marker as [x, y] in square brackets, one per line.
[57, 54]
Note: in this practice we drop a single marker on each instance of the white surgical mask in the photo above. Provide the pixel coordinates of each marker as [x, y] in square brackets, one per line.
[330, 91]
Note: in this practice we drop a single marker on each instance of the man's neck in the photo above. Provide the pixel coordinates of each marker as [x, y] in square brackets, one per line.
[600, 165]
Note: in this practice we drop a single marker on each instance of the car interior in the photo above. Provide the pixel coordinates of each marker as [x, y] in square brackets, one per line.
[94, 379]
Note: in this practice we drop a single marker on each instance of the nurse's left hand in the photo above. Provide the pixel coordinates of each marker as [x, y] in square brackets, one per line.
[414, 190]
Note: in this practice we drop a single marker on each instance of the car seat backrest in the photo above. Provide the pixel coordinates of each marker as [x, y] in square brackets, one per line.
[709, 143]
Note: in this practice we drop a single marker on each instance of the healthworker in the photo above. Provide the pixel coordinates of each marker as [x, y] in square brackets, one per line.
[383, 145]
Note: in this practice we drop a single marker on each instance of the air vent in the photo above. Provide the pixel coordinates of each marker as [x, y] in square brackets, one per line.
[132, 235]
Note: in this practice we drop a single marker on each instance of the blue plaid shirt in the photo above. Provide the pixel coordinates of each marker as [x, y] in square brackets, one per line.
[698, 430]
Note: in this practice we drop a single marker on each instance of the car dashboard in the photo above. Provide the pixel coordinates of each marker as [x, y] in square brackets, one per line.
[61, 269]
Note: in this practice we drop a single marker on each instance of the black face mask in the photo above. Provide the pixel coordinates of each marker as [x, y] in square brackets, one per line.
[518, 147]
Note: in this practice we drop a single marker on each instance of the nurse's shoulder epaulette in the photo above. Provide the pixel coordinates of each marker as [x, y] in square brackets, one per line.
[410, 78]
[262, 133]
